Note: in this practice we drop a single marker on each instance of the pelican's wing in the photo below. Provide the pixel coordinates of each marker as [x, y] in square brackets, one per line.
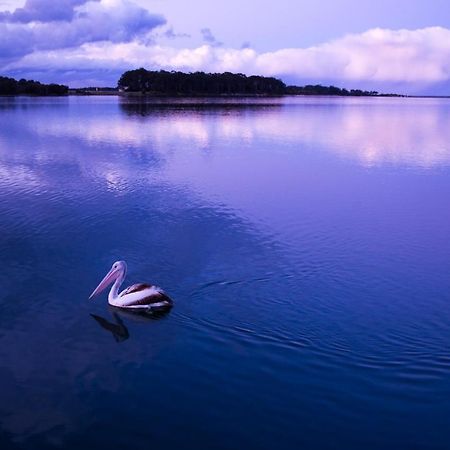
[144, 296]
[135, 288]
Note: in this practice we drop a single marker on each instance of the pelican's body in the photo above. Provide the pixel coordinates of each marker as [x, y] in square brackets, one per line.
[138, 297]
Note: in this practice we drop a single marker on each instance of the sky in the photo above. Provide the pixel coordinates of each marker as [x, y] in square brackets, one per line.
[401, 46]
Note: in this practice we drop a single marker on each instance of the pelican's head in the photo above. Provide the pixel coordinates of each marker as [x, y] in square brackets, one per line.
[118, 270]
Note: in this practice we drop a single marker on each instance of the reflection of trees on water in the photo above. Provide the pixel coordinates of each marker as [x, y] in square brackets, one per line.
[145, 106]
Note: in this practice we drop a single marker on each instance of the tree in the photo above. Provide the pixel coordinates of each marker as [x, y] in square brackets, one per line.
[9, 86]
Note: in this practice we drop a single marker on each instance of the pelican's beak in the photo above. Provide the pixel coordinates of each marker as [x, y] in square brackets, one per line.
[109, 278]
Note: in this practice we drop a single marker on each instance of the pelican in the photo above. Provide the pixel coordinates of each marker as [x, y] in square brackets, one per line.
[138, 297]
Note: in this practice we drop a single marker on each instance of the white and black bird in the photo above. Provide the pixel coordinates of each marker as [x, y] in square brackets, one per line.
[138, 297]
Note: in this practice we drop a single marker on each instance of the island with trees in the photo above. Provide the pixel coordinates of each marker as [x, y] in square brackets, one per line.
[198, 83]
[174, 83]
[10, 86]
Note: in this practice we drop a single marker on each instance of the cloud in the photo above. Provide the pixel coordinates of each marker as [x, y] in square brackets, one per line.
[209, 38]
[169, 33]
[377, 55]
[111, 39]
[106, 20]
[43, 11]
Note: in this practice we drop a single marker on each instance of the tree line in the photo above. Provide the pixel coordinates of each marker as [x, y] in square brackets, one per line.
[326, 90]
[180, 83]
[201, 83]
[176, 83]
[10, 86]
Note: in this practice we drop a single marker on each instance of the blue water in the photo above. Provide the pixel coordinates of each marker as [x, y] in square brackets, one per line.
[305, 243]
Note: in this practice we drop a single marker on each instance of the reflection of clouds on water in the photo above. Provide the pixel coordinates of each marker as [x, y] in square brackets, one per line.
[19, 176]
[416, 136]
[413, 132]
[186, 128]
[122, 150]
[116, 181]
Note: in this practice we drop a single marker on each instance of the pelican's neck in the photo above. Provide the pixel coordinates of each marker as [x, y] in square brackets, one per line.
[114, 292]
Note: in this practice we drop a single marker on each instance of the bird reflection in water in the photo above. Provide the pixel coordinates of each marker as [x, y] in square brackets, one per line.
[117, 327]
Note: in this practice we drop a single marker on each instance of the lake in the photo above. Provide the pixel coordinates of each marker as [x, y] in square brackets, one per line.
[305, 243]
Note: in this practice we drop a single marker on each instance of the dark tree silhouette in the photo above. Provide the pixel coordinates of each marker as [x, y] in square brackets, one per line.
[201, 83]
[198, 83]
[326, 90]
[10, 86]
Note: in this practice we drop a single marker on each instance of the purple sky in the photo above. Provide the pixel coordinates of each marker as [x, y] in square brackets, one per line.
[402, 46]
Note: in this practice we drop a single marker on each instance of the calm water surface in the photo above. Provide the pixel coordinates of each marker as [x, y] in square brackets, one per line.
[305, 242]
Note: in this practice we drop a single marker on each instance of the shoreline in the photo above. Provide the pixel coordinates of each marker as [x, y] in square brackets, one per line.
[222, 96]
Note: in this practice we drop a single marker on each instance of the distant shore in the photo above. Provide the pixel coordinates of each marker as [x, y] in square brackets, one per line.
[162, 84]
[117, 92]
[173, 84]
